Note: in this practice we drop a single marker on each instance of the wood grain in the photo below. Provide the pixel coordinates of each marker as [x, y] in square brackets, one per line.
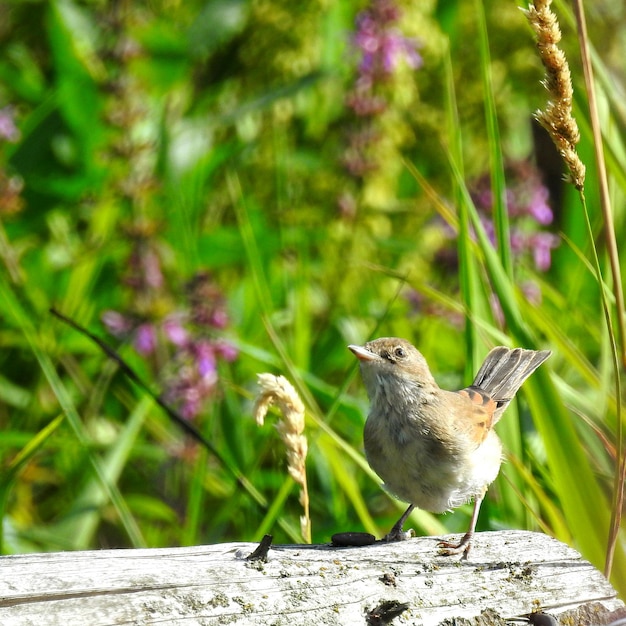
[509, 572]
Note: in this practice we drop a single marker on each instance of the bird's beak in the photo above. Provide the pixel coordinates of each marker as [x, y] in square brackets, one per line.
[363, 354]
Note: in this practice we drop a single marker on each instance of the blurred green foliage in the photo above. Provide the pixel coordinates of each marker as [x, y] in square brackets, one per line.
[156, 143]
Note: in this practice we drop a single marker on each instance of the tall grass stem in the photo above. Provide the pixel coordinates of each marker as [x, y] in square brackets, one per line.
[612, 251]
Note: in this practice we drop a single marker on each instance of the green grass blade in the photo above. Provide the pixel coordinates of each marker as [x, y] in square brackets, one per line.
[84, 517]
[18, 463]
[23, 321]
[468, 269]
[498, 183]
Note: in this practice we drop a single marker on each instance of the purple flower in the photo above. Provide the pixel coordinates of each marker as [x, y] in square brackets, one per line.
[539, 207]
[204, 352]
[532, 291]
[396, 48]
[175, 331]
[116, 323]
[145, 339]
[365, 104]
[381, 45]
[227, 351]
[185, 392]
[152, 269]
[518, 240]
[527, 205]
[144, 335]
[382, 48]
[187, 333]
[366, 39]
[207, 305]
[144, 266]
[8, 130]
[191, 405]
[542, 244]
[219, 318]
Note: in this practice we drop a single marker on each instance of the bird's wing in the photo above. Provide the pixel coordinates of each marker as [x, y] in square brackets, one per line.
[476, 412]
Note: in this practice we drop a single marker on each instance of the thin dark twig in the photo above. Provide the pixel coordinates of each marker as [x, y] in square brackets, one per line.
[260, 553]
[189, 428]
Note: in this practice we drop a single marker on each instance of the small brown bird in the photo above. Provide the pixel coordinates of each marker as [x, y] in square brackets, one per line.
[435, 448]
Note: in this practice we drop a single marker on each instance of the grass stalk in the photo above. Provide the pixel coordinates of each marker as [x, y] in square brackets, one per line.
[498, 183]
[605, 198]
[278, 390]
[468, 272]
[618, 488]
[617, 352]
[561, 126]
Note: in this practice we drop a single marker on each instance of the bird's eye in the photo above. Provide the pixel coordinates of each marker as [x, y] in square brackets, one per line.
[400, 352]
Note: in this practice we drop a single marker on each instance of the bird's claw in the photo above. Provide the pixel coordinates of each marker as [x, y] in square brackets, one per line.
[397, 534]
[449, 548]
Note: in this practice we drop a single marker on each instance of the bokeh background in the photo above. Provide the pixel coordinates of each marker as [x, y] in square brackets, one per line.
[227, 187]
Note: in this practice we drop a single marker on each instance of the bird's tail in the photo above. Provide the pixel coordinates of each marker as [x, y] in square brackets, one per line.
[504, 371]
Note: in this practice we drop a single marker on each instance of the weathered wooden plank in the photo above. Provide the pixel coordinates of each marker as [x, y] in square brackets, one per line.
[510, 572]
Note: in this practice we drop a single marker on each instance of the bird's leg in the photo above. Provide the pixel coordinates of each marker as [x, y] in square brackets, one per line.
[463, 547]
[396, 533]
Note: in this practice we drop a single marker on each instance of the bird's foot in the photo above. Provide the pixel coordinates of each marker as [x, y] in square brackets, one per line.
[449, 548]
[397, 534]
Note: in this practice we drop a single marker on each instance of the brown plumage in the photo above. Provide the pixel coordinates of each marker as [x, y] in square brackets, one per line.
[435, 448]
